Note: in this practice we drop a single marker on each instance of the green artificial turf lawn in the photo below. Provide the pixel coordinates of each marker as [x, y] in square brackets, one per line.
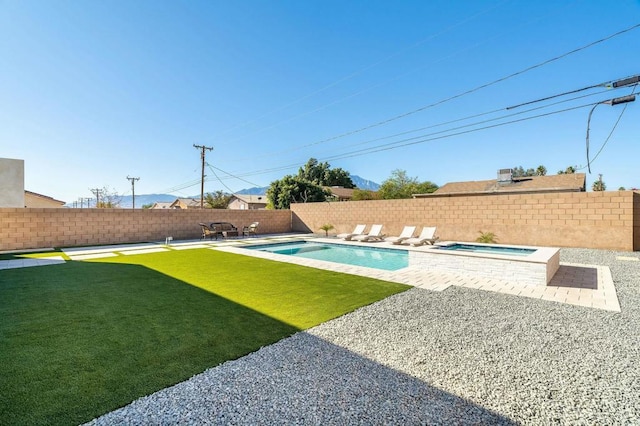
[80, 339]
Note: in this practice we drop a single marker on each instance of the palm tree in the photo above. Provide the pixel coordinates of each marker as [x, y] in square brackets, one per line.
[326, 228]
[599, 185]
[568, 171]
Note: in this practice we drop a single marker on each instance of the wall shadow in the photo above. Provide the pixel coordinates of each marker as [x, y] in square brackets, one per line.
[304, 380]
[580, 277]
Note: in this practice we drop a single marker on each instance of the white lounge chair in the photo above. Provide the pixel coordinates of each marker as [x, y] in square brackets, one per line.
[427, 236]
[407, 232]
[375, 234]
[358, 230]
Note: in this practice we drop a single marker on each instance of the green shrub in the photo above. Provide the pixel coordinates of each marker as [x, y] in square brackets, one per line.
[486, 237]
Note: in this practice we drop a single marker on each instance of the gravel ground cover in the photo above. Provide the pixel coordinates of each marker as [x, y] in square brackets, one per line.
[459, 356]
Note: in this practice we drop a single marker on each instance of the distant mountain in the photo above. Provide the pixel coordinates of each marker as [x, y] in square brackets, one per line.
[254, 191]
[143, 199]
[362, 183]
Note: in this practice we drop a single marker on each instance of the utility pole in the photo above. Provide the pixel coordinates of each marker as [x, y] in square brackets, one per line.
[88, 200]
[96, 192]
[133, 189]
[612, 102]
[202, 148]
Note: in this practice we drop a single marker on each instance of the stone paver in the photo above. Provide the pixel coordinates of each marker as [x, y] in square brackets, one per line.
[30, 262]
[145, 251]
[92, 256]
[630, 259]
[189, 246]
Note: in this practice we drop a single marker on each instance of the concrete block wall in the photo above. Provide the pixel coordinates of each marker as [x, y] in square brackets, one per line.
[636, 220]
[604, 220]
[28, 228]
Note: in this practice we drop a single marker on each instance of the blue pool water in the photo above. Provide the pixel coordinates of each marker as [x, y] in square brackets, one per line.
[371, 257]
[475, 248]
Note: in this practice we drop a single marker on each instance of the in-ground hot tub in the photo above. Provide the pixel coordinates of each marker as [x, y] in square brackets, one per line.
[522, 264]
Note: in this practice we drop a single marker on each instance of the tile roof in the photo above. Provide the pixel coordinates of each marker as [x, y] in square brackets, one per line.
[46, 197]
[252, 199]
[340, 192]
[162, 205]
[185, 203]
[556, 183]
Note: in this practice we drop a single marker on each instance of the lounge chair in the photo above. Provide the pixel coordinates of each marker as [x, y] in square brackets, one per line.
[375, 234]
[358, 230]
[247, 231]
[427, 236]
[407, 232]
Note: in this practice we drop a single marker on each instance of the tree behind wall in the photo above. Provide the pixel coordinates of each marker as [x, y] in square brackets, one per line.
[399, 185]
[292, 189]
[108, 199]
[599, 185]
[364, 194]
[568, 171]
[521, 172]
[323, 175]
[307, 186]
[217, 200]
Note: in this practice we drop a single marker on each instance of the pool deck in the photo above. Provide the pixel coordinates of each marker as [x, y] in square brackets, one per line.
[590, 286]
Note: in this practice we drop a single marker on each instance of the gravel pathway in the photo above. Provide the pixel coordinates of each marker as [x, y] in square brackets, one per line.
[459, 356]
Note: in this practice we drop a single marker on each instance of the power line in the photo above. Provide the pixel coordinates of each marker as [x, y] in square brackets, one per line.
[219, 180]
[179, 187]
[290, 166]
[616, 84]
[359, 92]
[425, 138]
[624, 100]
[470, 117]
[448, 122]
[230, 175]
[398, 144]
[627, 81]
[362, 70]
[387, 147]
[475, 89]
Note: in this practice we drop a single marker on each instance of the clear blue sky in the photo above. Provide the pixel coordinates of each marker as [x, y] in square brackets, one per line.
[93, 91]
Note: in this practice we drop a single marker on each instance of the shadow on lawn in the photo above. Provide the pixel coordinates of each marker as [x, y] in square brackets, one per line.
[81, 339]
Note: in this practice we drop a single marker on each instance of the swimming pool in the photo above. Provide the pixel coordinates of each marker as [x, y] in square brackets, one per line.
[515, 265]
[370, 257]
[479, 248]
